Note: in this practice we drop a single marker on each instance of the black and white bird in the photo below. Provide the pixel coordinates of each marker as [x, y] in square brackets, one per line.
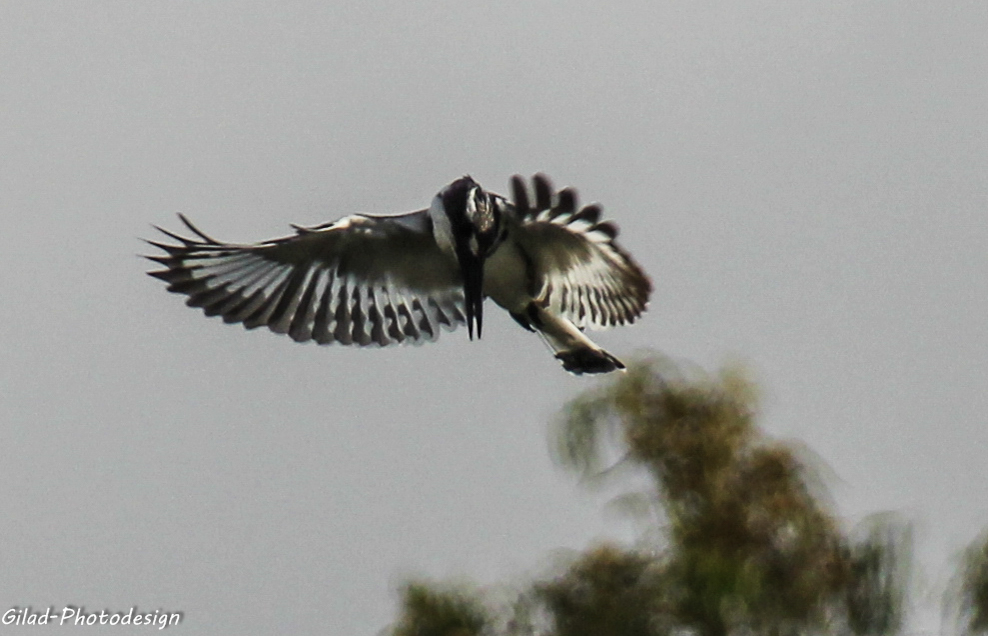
[382, 280]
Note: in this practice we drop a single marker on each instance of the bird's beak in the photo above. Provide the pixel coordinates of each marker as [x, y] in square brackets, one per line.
[472, 267]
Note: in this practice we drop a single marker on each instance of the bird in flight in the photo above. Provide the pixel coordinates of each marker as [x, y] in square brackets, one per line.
[381, 280]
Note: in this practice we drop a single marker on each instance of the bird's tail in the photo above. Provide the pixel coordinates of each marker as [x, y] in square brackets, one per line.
[587, 360]
[578, 353]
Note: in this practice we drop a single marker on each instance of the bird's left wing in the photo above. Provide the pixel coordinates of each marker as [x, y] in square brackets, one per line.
[363, 280]
[579, 270]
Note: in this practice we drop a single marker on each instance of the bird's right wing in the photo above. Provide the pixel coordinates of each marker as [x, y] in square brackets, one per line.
[579, 270]
[363, 280]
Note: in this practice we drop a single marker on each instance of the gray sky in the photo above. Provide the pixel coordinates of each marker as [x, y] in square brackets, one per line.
[805, 182]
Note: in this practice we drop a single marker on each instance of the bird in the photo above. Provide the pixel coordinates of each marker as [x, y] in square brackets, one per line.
[370, 280]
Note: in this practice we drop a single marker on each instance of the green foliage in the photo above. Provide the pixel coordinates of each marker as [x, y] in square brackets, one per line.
[749, 546]
[972, 587]
[430, 611]
[879, 566]
[607, 592]
[746, 543]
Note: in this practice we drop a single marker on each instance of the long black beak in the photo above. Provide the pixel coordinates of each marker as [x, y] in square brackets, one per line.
[473, 291]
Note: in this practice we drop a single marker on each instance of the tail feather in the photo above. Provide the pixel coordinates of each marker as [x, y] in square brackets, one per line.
[587, 360]
[572, 348]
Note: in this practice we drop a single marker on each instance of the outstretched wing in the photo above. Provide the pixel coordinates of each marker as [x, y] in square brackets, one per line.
[579, 271]
[362, 280]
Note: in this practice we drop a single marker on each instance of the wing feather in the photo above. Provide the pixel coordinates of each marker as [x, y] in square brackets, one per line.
[362, 280]
[579, 269]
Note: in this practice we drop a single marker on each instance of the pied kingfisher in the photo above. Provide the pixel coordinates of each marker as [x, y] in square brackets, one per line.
[382, 280]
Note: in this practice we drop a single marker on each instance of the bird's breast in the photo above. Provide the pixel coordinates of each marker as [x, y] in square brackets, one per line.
[506, 277]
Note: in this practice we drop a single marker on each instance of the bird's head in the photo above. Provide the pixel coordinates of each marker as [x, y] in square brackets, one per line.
[467, 224]
[474, 217]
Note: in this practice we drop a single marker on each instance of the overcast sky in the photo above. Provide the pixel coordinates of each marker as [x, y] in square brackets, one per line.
[806, 183]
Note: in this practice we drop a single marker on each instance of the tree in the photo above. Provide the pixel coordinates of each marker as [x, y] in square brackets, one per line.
[971, 587]
[879, 564]
[431, 610]
[747, 542]
[750, 546]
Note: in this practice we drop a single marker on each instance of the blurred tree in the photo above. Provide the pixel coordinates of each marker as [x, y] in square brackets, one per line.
[971, 588]
[879, 565]
[749, 547]
[606, 592]
[430, 610]
[747, 543]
